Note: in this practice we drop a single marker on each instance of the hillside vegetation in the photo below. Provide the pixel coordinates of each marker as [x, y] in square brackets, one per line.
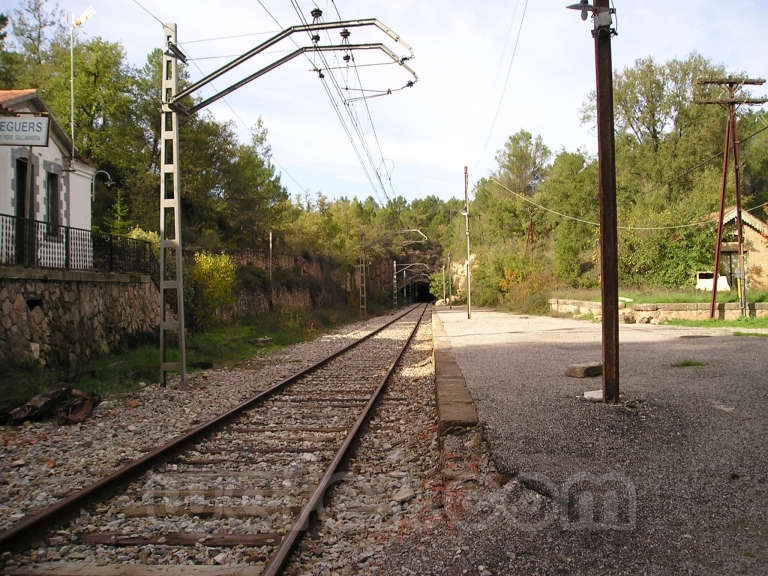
[533, 219]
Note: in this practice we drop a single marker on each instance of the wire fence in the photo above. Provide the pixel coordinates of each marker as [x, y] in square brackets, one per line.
[36, 244]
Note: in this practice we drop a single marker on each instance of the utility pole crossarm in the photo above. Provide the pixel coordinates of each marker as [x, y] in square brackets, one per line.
[731, 83]
[728, 101]
[732, 80]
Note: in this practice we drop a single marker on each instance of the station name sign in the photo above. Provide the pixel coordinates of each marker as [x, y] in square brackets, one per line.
[24, 130]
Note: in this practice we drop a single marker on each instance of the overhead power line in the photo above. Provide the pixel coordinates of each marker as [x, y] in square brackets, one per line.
[506, 79]
[346, 113]
[234, 112]
[232, 37]
[140, 5]
[592, 222]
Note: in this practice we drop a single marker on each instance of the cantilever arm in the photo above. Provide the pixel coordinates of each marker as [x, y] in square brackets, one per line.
[203, 103]
[285, 34]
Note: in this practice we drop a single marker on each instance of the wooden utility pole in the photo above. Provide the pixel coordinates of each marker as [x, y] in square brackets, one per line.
[607, 184]
[602, 32]
[731, 139]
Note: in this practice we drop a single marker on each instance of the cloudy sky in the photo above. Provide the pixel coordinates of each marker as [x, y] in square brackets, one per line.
[422, 137]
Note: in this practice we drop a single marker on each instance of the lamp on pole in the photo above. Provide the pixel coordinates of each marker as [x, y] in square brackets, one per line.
[74, 23]
[108, 183]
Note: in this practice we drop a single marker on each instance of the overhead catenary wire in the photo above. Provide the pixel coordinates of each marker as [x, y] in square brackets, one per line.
[231, 56]
[368, 112]
[237, 115]
[140, 5]
[351, 111]
[353, 121]
[334, 104]
[234, 112]
[370, 119]
[232, 37]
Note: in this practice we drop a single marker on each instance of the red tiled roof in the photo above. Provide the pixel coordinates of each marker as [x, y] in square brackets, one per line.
[13, 95]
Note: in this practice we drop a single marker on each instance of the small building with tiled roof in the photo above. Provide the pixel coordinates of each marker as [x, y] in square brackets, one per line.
[755, 249]
[36, 223]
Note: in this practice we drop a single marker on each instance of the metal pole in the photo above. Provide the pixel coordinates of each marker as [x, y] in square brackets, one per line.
[270, 270]
[450, 286]
[30, 251]
[363, 303]
[739, 223]
[72, 83]
[394, 285]
[170, 206]
[718, 244]
[469, 262]
[607, 186]
[443, 282]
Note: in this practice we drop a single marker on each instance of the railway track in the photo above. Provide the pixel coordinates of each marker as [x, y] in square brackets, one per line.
[230, 497]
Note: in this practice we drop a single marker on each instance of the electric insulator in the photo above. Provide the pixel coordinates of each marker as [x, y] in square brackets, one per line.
[345, 33]
[316, 13]
[347, 58]
[316, 38]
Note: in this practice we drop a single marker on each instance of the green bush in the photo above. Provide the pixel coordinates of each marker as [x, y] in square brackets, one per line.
[212, 283]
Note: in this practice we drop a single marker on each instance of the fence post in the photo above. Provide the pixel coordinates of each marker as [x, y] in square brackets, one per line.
[67, 248]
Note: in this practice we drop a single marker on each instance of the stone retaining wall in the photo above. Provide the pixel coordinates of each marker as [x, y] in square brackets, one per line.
[58, 319]
[656, 313]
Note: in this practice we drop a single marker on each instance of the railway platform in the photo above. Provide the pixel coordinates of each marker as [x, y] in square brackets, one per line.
[671, 480]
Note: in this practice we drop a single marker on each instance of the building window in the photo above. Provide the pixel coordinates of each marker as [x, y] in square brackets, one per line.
[52, 208]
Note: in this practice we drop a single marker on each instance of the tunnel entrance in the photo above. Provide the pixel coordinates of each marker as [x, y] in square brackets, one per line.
[421, 293]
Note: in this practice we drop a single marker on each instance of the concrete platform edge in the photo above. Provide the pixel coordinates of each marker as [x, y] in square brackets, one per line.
[455, 407]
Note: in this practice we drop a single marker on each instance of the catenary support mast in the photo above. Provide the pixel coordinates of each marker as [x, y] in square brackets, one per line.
[171, 277]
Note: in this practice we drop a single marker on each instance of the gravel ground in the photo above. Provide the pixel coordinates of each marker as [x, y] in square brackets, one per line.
[403, 487]
[671, 481]
[41, 462]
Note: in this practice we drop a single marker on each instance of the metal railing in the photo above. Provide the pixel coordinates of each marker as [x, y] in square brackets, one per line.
[36, 244]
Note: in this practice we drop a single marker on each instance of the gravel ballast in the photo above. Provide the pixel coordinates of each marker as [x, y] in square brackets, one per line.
[671, 480]
[41, 462]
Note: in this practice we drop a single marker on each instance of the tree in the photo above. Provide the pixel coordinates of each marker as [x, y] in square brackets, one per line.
[522, 162]
[120, 225]
[10, 62]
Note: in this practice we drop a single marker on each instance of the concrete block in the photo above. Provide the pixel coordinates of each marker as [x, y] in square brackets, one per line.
[586, 370]
[594, 395]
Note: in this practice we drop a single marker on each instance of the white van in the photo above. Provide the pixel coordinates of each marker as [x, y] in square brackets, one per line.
[704, 282]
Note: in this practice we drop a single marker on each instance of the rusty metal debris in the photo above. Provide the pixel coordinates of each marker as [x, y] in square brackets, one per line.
[62, 402]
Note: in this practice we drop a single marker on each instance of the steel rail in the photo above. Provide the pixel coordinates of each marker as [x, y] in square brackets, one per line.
[280, 556]
[18, 536]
